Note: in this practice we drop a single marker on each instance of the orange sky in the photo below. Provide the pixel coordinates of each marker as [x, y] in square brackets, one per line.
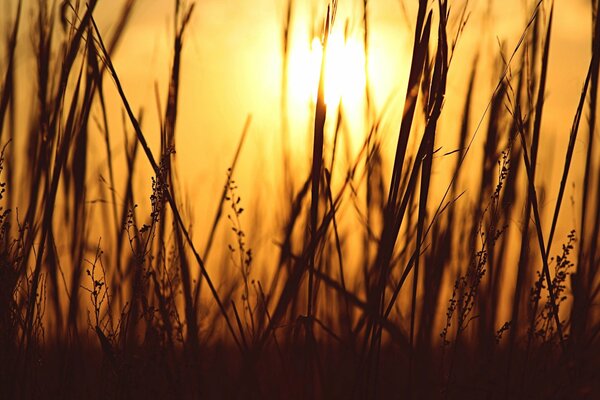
[232, 67]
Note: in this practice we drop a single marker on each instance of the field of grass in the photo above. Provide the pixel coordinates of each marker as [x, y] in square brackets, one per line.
[429, 294]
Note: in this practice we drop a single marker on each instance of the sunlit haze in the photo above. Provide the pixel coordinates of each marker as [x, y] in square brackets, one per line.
[186, 213]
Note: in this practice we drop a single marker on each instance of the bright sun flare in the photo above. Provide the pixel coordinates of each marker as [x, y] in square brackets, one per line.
[344, 71]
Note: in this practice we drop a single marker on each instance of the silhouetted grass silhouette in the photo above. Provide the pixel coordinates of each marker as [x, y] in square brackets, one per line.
[124, 316]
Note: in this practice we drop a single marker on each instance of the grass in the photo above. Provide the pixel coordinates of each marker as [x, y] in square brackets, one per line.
[449, 300]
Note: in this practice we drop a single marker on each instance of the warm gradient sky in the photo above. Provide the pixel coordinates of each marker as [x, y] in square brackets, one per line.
[232, 68]
[232, 65]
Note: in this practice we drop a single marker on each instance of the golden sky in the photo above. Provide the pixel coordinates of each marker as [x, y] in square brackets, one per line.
[232, 68]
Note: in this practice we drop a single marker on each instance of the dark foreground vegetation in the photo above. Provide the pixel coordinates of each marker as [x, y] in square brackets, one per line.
[136, 314]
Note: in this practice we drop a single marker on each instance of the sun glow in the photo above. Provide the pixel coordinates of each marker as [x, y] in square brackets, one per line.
[344, 71]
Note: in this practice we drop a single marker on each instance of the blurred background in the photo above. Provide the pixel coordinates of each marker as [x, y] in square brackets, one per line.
[234, 70]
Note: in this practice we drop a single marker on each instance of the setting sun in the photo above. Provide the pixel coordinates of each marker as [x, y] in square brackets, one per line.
[344, 70]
